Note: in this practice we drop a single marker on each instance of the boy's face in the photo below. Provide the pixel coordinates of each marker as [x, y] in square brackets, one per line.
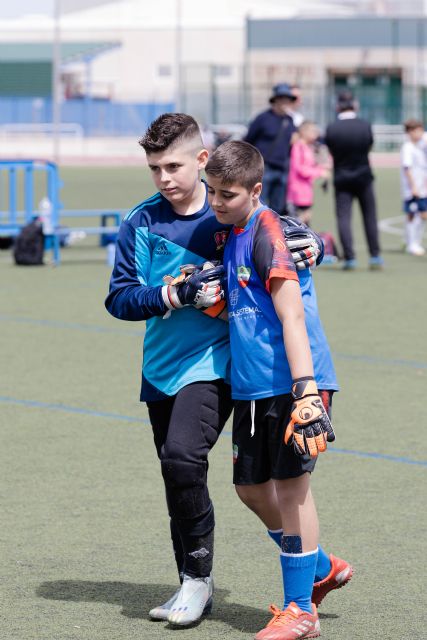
[232, 203]
[175, 171]
[416, 134]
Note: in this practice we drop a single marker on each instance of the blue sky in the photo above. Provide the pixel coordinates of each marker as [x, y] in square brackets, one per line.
[19, 8]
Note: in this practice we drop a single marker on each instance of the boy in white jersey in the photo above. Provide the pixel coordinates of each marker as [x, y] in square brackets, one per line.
[413, 172]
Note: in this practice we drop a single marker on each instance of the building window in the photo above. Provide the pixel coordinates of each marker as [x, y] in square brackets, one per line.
[164, 70]
[222, 71]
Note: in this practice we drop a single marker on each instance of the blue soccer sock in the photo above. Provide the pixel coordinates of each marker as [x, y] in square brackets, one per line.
[323, 565]
[298, 571]
[276, 535]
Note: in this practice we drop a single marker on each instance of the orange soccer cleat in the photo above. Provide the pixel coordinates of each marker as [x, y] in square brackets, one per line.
[340, 573]
[290, 624]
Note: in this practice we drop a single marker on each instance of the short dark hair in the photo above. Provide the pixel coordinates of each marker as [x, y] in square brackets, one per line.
[236, 162]
[345, 101]
[168, 129]
[412, 124]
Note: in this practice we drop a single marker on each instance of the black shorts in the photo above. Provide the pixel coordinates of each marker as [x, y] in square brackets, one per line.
[264, 455]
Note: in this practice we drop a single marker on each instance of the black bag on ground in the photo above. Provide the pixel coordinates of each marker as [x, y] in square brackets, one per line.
[29, 244]
[6, 242]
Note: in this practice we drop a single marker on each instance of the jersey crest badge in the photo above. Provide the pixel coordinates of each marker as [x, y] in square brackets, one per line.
[235, 453]
[220, 239]
[243, 275]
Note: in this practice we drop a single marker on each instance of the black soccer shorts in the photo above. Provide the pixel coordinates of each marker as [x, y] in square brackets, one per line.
[264, 455]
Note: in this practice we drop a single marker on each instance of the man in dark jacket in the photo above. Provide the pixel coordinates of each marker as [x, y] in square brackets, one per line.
[349, 140]
[271, 132]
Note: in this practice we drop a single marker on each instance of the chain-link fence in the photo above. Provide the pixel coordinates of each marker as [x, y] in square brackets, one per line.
[218, 97]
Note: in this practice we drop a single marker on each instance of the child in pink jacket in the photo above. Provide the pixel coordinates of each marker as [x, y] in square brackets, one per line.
[303, 171]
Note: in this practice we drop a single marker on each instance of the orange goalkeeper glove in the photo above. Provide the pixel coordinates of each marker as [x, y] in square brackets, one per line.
[309, 428]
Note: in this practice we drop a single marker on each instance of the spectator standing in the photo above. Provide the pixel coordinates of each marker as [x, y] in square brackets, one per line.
[208, 137]
[303, 171]
[271, 132]
[295, 109]
[413, 174]
[349, 140]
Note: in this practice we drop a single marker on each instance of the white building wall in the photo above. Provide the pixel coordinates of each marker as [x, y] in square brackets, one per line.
[133, 70]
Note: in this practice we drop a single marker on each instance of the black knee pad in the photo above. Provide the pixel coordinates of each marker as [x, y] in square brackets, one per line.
[182, 474]
[187, 495]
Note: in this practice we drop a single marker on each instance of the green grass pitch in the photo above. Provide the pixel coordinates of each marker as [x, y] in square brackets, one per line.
[84, 534]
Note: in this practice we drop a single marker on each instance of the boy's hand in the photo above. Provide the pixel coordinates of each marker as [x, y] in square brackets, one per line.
[305, 246]
[309, 428]
[197, 286]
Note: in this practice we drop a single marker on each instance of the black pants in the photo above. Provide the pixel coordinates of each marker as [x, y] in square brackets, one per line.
[274, 186]
[343, 207]
[185, 428]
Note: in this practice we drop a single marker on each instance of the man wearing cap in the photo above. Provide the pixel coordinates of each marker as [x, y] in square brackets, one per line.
[349, 140]
[271, 132]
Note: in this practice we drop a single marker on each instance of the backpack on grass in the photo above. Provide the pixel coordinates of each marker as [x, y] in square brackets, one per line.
[6, 242]
[29, 244]
[331, 254]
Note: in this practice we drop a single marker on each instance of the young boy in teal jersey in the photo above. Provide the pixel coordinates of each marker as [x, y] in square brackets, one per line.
[280, 423]
[186, 350]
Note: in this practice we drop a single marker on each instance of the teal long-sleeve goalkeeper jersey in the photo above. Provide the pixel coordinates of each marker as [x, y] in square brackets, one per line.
[188, 346]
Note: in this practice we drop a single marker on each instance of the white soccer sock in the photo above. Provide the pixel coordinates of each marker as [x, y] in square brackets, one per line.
[410, 232]
[419, 225]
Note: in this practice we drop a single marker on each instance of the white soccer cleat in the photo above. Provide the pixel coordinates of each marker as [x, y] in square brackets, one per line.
[162, 611]
[194, 599]
[415, 250]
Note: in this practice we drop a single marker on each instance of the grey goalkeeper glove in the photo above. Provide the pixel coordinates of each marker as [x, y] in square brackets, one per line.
[305, 246]
[197, 286]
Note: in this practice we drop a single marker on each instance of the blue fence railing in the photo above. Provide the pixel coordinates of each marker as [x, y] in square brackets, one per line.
[96, 117]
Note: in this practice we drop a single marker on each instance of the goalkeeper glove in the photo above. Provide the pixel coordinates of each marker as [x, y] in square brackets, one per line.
[309, 427]
[197, 286]
[305, 246]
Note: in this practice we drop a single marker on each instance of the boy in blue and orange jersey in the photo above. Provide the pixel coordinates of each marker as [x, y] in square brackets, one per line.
[186, 356]
[282, 380]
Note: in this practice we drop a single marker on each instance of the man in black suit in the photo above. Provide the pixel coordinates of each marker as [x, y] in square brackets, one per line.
[349, 140]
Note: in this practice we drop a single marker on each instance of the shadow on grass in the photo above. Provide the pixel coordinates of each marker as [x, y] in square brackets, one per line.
[136, 600]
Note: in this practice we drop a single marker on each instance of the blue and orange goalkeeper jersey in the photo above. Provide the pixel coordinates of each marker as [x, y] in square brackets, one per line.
[188, 346]
[259, 369]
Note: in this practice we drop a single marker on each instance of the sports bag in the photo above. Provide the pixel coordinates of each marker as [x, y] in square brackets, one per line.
[331, 254]
[29, 244]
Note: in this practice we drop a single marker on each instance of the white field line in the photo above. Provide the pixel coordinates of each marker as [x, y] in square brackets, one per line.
[388, 225]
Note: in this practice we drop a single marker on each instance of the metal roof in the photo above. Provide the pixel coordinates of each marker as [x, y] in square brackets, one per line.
[331, 33]
[43, 51]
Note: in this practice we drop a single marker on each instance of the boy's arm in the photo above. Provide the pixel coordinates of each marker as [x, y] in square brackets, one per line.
[407, 160]
[408, 173]
[287, 300]
[309, 428]
[129, 297]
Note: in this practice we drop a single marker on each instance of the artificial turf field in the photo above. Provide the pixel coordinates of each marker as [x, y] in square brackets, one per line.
[84, 533]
